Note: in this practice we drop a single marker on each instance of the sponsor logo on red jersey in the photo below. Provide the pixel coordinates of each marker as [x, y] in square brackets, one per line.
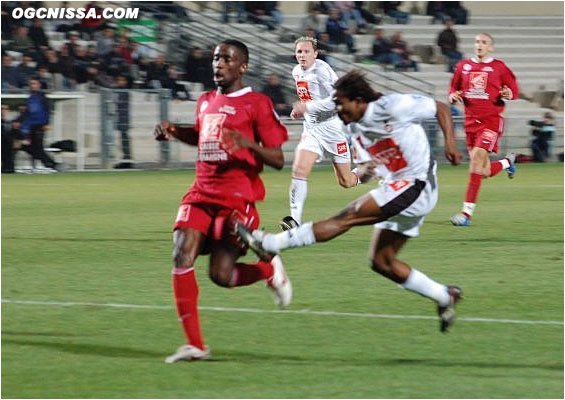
[341, 148]
[489, 136]
[303, 91]
[397, 185]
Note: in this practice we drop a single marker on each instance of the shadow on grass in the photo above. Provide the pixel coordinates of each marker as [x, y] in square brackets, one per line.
[244, 357]
[86, 240]
[87, 349]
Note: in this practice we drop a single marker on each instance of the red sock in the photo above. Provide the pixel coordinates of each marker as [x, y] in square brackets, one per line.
[495, 168]
[473, 188]
[246, 274]
[185, 289]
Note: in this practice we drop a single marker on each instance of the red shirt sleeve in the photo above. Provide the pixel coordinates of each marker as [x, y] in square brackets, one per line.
[456, 80]
[508, 79]
[268, 127]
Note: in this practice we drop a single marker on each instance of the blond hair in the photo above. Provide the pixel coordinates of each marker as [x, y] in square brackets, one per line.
[310, 39]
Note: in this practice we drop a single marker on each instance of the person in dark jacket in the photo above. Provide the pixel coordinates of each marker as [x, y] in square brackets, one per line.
[122, 120]
[36, 123]
[447, 42]
[274, 90]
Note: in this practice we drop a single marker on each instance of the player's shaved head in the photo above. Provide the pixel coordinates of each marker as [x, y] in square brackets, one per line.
[240, 46]
[488, 35]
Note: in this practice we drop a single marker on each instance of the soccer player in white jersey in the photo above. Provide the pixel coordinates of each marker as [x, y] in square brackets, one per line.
[388, 129]
[323, 132]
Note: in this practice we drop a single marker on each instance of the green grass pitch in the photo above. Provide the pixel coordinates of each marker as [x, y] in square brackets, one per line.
[74, 243]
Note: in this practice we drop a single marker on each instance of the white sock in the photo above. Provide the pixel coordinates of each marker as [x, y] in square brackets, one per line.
[505, 163]
[468, 208]
[295, 237]
[419, 283]
[297, 194]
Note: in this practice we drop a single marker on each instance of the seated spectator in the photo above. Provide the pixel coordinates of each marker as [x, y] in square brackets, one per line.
[543, 132]
[25, 70]
[263, 12]
[325, 48]
[157, 72]
[8, 23]
[21, 41]
[457, 12]
[37, 34]
[348, 12]
[367, 15]
[339, 32]
[124, 44]
[105, 44]
[66, 67]
[115, 64]
[10, 81]
[171, 81]
[390, 8]
[400, 47]
[274, 90]
[198, 68]
[312, 21]
[74, 43]
[438, 11]
[382, 50]
[52, 62]
[89, 26]
[45, 78]
[447, 41]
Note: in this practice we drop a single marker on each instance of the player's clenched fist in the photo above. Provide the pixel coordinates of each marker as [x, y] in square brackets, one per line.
[163, 131]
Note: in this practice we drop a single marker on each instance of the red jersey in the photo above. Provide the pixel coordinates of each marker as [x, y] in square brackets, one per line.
[219, 174]
[480, 83]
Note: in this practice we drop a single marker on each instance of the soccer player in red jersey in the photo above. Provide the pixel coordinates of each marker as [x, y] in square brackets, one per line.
[236, 131]
[482, 83]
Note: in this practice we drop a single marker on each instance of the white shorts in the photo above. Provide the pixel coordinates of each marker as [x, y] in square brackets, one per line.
[408, 202]
[337, 149]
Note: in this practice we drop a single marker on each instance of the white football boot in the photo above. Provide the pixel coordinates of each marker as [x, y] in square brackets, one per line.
[188, 352]
[279, 283]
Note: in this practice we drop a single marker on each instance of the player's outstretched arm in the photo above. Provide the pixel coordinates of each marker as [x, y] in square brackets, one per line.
[232, 141]
[446, 123]
[186, 134]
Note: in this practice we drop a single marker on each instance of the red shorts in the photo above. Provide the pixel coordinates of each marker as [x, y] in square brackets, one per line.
[484, 133]
[215, 219]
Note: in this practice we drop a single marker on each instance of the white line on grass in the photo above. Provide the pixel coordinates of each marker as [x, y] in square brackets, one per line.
[257, 310]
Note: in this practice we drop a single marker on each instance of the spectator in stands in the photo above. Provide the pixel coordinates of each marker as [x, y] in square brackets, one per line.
[45, 78]
[123, 120]
[382, 50]
[172, 82]
[10, 81]
[400, 47]
[89, 26]
[114, 62]
[457, 12]
[543, 132]
[52, 61]
[438, 11]
[325, 48]
[238, 6]
[339, 32]
[157, 72]
[66, 67]
[106, 42]
[37, 34]
[447, 41]
[125, 47]
[367, 15]
[263, 12]
[348, 12]
[199, 68]
[8, 23]
[73, 43]
[36, 123]
[25, 70]
[21, 41]
[274, 90]
[390, 8]
[8, 141]
[312, 21]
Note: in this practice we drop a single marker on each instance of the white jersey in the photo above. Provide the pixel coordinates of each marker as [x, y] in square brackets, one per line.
[390, 133]
[314, 84]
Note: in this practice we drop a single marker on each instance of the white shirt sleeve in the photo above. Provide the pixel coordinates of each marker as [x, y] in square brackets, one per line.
[411, 107]
[317, 106]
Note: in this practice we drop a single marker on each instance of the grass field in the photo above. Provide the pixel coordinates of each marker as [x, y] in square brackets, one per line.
[75, 244]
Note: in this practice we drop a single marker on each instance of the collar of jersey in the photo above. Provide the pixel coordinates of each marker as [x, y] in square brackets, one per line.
[311, 67]
[476, 60]
[239, 92]
[366, 119]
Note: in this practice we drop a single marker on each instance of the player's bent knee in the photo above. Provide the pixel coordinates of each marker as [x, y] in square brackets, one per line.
[220, 278]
